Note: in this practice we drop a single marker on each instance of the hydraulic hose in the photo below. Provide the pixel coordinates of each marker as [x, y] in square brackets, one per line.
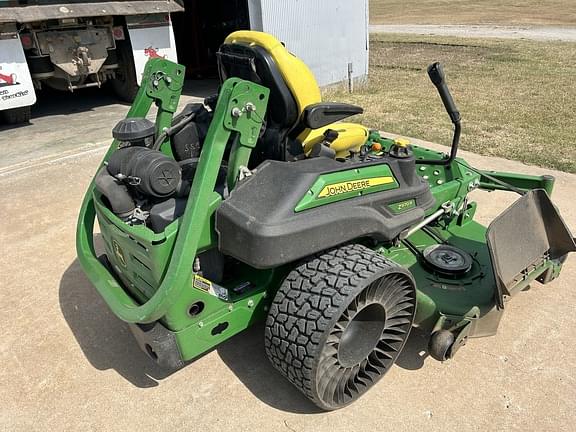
[116, 193]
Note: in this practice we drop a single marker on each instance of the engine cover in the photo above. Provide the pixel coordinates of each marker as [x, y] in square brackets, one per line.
[289, 210]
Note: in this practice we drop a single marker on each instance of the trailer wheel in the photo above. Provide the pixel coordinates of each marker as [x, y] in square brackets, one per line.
[17, 115]
[125, 84]
[338, 323]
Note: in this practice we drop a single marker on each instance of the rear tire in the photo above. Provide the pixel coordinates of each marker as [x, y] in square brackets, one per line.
[17, 115]
[125, 84]
[338, 323]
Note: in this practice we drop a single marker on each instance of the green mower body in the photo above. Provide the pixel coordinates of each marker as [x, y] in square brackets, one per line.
[341, 255]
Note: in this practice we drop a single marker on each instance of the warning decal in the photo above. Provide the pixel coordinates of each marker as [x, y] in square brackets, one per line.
[202, 283]
[211, 288]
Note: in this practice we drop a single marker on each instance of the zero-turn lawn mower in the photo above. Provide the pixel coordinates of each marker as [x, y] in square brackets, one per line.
[260, 205]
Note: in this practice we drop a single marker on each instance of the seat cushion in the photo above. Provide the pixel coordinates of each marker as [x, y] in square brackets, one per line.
[351, 137]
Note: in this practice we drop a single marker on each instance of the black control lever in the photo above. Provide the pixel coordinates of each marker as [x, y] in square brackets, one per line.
[436, 74]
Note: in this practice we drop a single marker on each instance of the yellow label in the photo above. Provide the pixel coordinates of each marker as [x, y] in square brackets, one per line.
[202, 283]
[352, 186]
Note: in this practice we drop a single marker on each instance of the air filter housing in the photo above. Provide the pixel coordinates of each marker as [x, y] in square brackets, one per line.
[148, 171]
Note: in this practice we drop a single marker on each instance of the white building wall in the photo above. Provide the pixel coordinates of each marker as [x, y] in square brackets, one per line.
[326, 34]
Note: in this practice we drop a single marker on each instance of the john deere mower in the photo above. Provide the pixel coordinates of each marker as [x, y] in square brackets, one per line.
[260, 205]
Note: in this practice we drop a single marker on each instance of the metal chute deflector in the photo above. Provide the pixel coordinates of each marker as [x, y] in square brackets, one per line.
[530, 231]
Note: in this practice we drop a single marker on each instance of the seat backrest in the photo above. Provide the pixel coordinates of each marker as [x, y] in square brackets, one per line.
[271, 54]
[261, 58]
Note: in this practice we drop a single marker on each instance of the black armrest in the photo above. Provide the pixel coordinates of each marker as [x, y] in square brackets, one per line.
[322, 114]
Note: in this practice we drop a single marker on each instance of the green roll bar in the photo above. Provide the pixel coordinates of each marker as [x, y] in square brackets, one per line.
[240, 108]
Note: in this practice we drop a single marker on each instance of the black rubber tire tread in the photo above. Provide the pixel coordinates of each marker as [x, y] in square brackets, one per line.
[440, 344]
[125, 85]
[308, 305]
[16, 116]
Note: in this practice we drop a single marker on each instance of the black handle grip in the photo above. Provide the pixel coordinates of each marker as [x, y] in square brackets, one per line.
[436, 74]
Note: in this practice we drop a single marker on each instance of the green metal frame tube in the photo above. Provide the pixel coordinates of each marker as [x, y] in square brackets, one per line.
[523, 182]
[186, 243]
[197, 207]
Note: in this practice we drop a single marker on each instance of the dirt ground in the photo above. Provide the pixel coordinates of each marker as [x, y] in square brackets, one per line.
[68, 364]
[485, 12]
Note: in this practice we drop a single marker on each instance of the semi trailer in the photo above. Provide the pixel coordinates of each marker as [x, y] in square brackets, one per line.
[72, 45]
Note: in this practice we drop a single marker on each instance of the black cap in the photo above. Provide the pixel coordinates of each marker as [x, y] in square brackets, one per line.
[133, 129]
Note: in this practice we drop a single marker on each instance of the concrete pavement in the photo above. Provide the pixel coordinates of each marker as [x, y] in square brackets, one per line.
[65, 124]
[68, 364]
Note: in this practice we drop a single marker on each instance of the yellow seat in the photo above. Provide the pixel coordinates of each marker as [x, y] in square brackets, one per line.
[262, 58]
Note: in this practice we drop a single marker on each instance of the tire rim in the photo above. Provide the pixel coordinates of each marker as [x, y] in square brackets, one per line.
[366, 340]
[362, 334]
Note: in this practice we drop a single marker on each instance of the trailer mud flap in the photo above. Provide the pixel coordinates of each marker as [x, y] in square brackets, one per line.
[151, 36]
[16, 88]
[530, 231]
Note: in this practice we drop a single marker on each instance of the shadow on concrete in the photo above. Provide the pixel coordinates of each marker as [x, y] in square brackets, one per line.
[107, 343]
[52, 102]
[5, 126]
[244, 355]
[105, 340]
[415, 352]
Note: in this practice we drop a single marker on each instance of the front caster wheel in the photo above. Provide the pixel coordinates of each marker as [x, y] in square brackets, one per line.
[440, 345]
[339, 322]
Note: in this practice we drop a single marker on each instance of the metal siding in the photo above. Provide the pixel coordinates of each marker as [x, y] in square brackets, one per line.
[326, 34]
[255, 12]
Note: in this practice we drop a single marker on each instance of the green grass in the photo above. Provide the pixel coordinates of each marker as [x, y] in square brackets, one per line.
[498, 12]
[517, 98]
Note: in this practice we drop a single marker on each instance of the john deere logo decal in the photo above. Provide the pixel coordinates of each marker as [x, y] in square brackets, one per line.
[119, 253]
[351, 186]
